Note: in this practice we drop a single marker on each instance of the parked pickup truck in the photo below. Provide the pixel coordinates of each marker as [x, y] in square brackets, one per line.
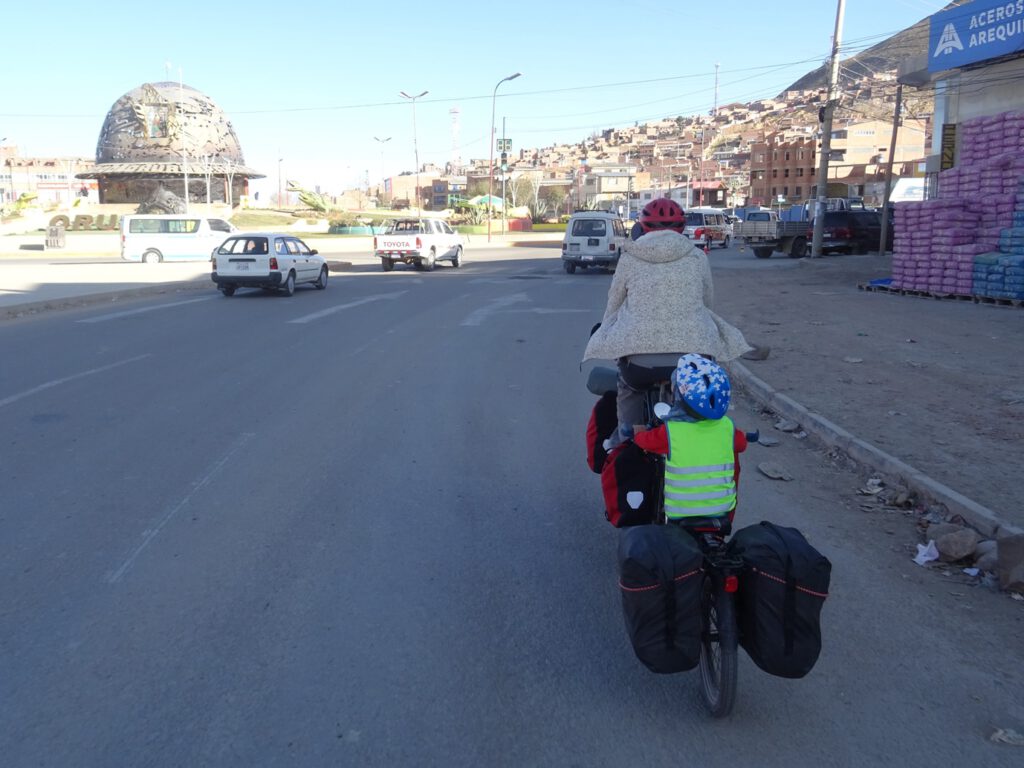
[765, 234]
[421, 242]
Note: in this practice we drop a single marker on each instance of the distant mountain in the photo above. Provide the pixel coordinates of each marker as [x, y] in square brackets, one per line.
[883, 57]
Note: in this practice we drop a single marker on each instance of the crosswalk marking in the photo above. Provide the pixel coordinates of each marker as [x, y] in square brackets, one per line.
[349, 305]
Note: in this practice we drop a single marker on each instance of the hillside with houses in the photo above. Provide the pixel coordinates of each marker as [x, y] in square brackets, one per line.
[762, 152]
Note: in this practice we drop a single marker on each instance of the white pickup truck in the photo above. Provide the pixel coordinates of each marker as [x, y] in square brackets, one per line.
[421, 242]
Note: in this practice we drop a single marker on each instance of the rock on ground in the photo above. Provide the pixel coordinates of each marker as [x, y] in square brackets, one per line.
[957, 545]
[1011, 563]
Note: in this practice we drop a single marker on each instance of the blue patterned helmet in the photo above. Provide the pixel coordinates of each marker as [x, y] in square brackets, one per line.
[703, 385]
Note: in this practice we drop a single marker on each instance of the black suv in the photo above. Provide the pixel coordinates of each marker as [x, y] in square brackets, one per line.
[853, 232]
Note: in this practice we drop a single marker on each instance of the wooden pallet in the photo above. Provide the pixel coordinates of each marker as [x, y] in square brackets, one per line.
[997, 302]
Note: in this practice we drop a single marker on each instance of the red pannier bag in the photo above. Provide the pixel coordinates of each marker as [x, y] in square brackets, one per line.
[629, 482]
[603, 420]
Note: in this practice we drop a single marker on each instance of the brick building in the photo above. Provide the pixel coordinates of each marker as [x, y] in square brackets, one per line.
[783, 164]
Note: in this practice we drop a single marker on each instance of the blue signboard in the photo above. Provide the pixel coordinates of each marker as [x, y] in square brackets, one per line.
[967, 34]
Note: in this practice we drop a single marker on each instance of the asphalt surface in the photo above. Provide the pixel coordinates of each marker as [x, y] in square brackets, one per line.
[355, 527]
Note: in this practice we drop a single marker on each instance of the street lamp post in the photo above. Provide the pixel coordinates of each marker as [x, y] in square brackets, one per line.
[280, 200]
[11, 167]
[415, 146]
[490, 174]
[382, 142]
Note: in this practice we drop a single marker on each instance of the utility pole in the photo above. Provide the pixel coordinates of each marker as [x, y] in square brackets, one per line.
[701, 193]
[714, 112]
[888, 169]
[826, 135]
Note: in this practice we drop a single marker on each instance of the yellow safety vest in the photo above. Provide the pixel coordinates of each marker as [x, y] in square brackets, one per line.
[699, 468]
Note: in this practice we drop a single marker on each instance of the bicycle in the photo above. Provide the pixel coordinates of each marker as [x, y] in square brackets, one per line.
[718, 662]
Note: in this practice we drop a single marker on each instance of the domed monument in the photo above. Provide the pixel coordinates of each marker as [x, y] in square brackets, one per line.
[160, 134]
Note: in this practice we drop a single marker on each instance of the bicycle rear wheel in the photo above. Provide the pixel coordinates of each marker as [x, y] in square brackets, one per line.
[718, 648]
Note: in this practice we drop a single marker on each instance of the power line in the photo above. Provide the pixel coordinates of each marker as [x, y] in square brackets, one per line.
[446, 99]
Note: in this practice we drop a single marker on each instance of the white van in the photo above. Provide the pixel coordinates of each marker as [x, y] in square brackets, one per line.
[592, 239]
[707, 226]
[156, 237]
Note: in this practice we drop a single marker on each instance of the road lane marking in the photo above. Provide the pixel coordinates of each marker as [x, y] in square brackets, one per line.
[547, 310]
[57, 382]
[339, 307]
[478, 316]
[151, 534]
[130, 312]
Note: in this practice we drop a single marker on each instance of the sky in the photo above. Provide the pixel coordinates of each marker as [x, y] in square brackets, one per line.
[312, 88]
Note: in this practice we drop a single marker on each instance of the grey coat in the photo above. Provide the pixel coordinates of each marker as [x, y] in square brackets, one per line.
[660, 301]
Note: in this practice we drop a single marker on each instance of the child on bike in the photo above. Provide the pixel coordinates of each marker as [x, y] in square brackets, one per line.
[700, 443]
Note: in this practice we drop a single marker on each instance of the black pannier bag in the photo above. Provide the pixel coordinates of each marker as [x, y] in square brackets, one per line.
[782, 590]
[630, 486]
[660, 577]
[603, 421]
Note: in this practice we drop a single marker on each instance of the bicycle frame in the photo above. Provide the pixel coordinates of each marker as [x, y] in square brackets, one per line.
[719, 633]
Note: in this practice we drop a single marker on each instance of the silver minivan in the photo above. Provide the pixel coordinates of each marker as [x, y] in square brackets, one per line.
[592, 239]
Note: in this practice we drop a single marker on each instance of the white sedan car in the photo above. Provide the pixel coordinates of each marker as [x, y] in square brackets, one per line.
[267, 260]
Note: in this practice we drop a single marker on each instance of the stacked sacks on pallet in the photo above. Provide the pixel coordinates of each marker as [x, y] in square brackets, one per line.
[933, 246]
[963, 242]
[999, 274]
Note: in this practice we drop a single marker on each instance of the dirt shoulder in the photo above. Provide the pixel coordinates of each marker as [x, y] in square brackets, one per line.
[938, 384]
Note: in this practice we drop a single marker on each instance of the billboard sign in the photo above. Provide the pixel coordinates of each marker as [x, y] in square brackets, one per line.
[967, 34]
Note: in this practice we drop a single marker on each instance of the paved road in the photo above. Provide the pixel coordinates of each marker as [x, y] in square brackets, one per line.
[355, 527]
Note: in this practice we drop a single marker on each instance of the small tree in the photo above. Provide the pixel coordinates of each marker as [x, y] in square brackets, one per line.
[476, 188]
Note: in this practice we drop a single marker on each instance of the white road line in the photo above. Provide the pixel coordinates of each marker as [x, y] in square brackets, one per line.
[546, 310]
[130, 312]
[151, 534]
[339, 307]
[478, 316]
[66, 379]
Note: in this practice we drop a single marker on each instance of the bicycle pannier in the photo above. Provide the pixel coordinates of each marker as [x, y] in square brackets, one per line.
[660, 576]
[629, 481]
[602, 423]
[782, 590]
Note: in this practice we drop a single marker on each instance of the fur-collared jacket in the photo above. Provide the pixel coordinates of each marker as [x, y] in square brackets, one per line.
[660, 301]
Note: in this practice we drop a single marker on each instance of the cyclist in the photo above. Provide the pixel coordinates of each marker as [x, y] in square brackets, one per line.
[659, 306]
[702, 469]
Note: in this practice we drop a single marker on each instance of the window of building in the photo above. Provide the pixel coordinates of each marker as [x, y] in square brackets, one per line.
[775, 173]
[799, 171]
[799, 191]
[787, 154]
[785, 173]
[775, 190]
[785, 191]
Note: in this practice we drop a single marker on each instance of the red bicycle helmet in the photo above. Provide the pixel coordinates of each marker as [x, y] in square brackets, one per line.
[663, 213]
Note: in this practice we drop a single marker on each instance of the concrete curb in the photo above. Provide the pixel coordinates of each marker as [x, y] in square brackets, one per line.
[107, 297]
[987, 522]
